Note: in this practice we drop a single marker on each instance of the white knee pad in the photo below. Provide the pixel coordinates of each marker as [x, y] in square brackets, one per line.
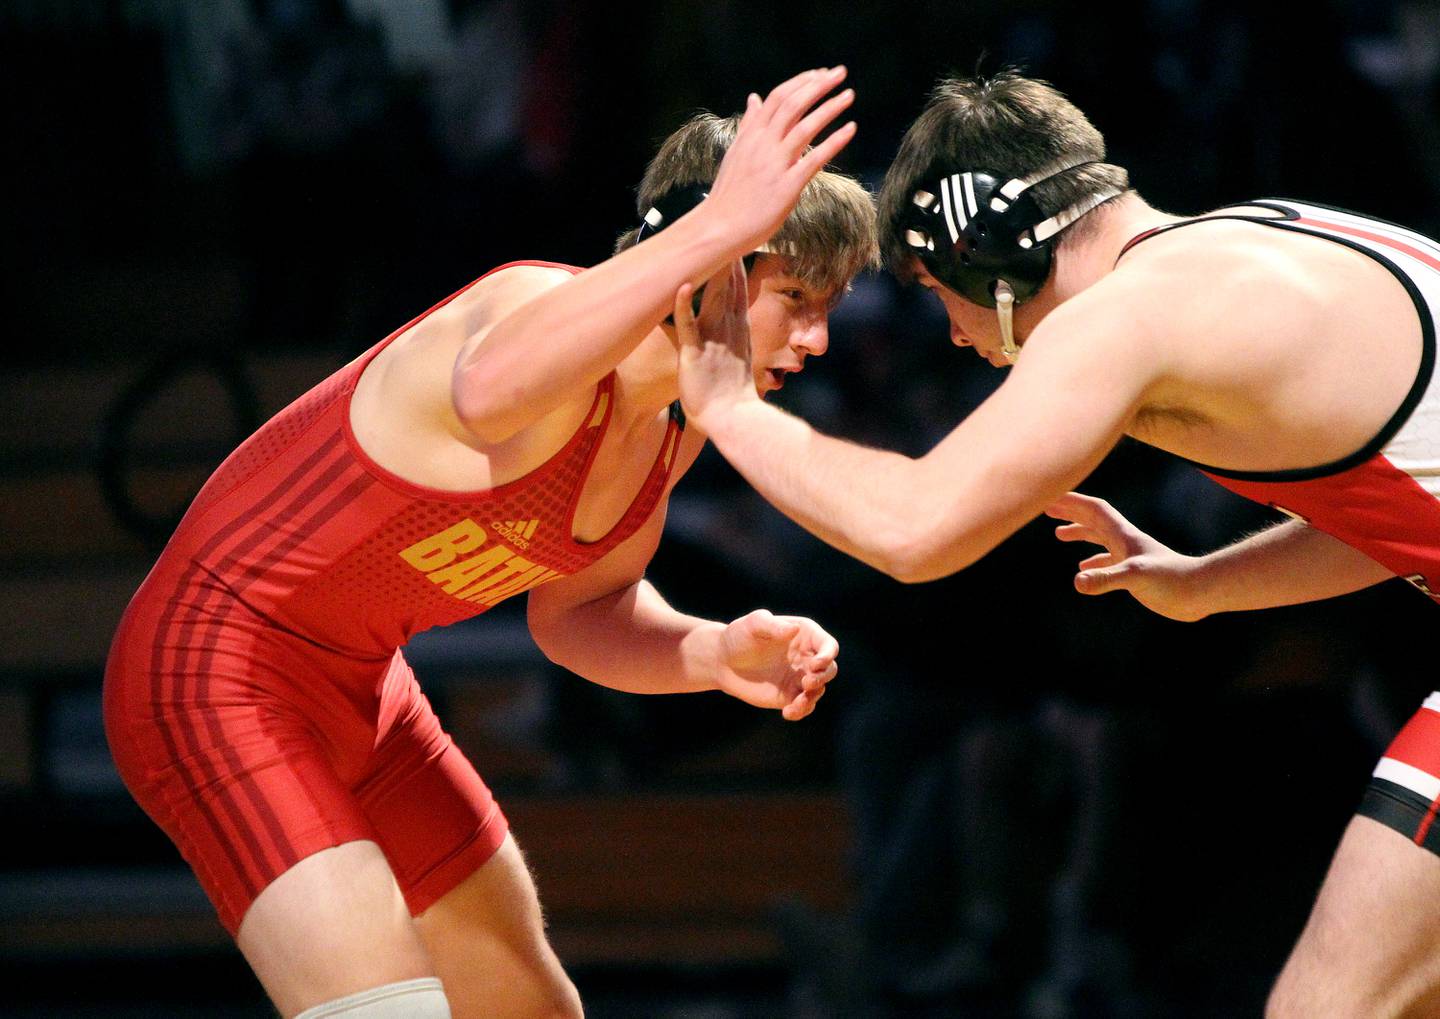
[409, 999]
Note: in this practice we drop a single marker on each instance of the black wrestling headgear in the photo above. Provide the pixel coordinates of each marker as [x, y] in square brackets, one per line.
[974, 229]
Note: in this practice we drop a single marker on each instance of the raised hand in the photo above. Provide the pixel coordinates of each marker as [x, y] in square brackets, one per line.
[715, 347]
[767, 166]
[777, 662]
[1157, 576]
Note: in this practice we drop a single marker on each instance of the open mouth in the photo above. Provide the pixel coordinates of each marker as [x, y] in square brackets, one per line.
[776, 376]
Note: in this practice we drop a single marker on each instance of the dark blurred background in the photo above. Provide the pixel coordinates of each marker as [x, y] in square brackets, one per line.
[1014, 801]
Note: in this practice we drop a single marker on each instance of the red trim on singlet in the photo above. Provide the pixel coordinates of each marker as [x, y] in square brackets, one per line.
[1138, 238]
[1325, 224]
[605, 388]
[1418, 744]
[1389, 242]
[1426, 822]
[410, 488]
[197, 598]
[1375, 507]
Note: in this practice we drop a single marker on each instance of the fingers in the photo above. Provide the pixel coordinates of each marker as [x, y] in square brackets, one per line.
[739, 289]
[1070, 506]
[753, 105]
[717, 289]
[1077, 532]
[802, 705]
[1082, 509]
[790, 99]
[766, 624]
[804, 133]
[816, 680]
[685, 313]
[814, 160]
[1112, 578]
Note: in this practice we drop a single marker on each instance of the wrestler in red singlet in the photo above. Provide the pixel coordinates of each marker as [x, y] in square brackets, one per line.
[269, 630]
[256, 699]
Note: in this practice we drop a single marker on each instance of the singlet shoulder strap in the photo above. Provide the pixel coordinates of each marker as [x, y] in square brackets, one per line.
[1255, 212]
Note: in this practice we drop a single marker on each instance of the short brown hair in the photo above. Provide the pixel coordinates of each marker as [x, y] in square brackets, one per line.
[1008, 125]
[829, 236]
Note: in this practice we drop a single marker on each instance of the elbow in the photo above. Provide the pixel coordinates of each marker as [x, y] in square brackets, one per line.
[543, 631]
[916, 557]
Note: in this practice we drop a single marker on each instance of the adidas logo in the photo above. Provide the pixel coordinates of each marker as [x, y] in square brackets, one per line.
[518, 531]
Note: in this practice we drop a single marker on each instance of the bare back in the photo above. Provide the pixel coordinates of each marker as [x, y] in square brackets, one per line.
[1291, 350]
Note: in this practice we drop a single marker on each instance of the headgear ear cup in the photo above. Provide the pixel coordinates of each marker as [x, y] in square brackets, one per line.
[975, 228]
[667, 209]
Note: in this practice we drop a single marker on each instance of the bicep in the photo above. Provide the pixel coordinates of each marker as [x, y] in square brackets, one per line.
[483, 372]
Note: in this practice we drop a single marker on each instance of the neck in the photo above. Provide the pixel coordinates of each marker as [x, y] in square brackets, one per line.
[1086, 257]
[1091, 256]
[648, 380]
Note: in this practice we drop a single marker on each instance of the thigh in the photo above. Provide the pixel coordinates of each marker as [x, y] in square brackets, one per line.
[1372, 944]
[234, 775]
[486, 938]
[332, 925]
[430, 811]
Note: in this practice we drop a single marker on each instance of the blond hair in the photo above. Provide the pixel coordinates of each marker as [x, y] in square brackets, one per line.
[830, 234]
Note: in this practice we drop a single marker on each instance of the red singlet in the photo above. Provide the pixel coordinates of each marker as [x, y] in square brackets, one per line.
[256, 700]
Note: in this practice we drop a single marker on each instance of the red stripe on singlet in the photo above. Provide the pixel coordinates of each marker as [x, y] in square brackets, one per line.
[1426, 822]
[1418, 745]
[316, 518]
[1389, 242]
[196, 580]
[314, 514]
[158, 671]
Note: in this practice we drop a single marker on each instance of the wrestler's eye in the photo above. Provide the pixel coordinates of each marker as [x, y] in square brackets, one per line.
[794, 294]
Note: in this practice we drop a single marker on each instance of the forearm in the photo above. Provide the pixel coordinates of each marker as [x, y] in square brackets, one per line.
[1286, 564]
[633, 640]
[875, 505]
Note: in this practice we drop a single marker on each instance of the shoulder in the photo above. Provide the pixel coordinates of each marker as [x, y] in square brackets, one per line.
[506, 287]
[1217, 266]
[1214, 308]
[1206, 287]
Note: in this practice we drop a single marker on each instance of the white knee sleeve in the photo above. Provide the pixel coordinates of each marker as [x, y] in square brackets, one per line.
[409, 999]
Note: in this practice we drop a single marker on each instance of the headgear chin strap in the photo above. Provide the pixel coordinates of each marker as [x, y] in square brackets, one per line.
[988, 240]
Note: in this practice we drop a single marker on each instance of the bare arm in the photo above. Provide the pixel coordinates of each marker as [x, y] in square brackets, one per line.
[1282, 565]
[1062, 409]
[568, 337]
[611, 626]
